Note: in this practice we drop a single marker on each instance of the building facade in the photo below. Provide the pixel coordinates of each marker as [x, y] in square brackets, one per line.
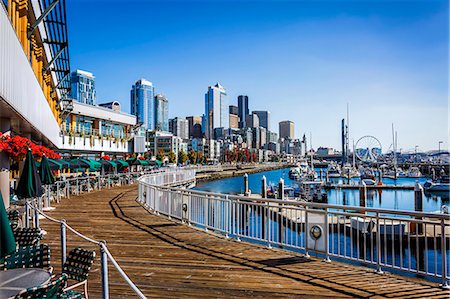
[252, 121]
[264, 119]
[234, 118]
[286, 129]
[161, 113]
[242, 110]
[83, 87]
[195, 126]
[179, 126]
[142, 103]
[216, 110]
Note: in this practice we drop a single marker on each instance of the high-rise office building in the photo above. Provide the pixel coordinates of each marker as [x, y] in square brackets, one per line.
[286, 129]
[264, 119]
[242, 110]
[252, 121]
[142, 103]
[234, 118]
[83, 87]
[179, 126]
[216, 110]
[195, 126]
[161, 113]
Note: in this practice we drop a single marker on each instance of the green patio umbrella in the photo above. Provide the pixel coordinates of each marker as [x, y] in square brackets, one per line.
[47, 177]
[29, 185]
[7, 241]
[121, 164]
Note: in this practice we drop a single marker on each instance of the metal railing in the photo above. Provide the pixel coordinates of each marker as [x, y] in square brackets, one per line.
[413, 242]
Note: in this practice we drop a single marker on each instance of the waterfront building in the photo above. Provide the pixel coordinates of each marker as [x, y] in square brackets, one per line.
[262, 137]
[31, 87]
[179, 126]
[252, 121]
[216, 110]
[88, 128]
[325, 151]
[142, 103]
[161, 113]
[195, 126]
[234, 118]
[166, 142]
[242, 110]
[83, 87]
[264, 118]
[286, 129]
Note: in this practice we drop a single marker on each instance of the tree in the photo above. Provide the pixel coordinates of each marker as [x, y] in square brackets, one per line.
[240, 157]
[200, 158]
[182, 157]
[160, 155]
[172, 157]
[192, 156]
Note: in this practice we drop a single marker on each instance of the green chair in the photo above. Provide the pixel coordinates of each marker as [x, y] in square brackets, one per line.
[14, 219]
[36, 256]
[77, 266]
[54, 289]
[27, 236]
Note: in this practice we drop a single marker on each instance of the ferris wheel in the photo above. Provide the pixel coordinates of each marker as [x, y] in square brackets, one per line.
[368, 148]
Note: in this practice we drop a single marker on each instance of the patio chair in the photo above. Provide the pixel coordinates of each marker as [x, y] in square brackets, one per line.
[77, 266]
[27, 236]
[53, 289]
[14, 219]
[36, 256]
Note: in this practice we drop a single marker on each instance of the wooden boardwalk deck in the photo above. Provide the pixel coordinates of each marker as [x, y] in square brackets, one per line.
[169, 260]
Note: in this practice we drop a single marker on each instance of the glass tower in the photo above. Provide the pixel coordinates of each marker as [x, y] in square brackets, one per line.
[143, 103]
[161, 113]
[242, 110]
[216, 110]
[83, 87]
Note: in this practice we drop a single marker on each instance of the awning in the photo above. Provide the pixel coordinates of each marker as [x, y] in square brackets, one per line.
[122, 163]
[155, 162]
[138, 162]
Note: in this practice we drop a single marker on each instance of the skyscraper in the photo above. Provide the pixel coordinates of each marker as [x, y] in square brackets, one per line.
[179, 126]
[252, 121]
[242, 110]
[286, 129]
[264, 119]
[161, 113]
[195, 126]
[83, 87]
[142, 103]
[234, 118]
[216, 110]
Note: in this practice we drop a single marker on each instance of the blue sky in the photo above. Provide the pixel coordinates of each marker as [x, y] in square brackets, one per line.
[301, 60]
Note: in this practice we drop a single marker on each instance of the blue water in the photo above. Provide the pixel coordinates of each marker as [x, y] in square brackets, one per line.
[387, 199]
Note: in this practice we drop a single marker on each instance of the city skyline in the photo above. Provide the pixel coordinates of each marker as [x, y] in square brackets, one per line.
[371, 67]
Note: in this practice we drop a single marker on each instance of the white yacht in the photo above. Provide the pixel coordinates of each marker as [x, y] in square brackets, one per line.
[414, 172]
[443, 184]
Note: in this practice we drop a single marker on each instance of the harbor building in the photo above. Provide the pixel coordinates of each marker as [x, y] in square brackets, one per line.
[195, 126]
[165, 142]
[179, 126]
[161, 113]
[142, 103]
[96, 129]
[264, 119]
[34, 75]
[242, 110]
[216, 110]
[286, 129]
[83, 87]
[234, 118]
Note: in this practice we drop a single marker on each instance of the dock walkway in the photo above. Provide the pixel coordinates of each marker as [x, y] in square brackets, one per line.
[169, 260]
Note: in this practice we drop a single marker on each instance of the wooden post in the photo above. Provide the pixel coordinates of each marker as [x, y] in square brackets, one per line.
[246, 191]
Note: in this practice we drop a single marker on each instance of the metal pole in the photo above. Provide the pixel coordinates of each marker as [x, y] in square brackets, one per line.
[104, 269]
[444, 284]
[379, 271]
[27, 214]
[63, 242]
[327, 256]
[36, 217]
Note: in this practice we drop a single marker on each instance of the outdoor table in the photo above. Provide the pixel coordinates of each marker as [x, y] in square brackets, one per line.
[14, 280]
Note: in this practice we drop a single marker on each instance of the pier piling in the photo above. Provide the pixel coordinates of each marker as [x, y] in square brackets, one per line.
[362, 194]
[263, 187]
[246, 191]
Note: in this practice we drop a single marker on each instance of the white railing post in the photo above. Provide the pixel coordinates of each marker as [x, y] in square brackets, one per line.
[63, 242]
[444, 283]
[104, 270]
[378, 243]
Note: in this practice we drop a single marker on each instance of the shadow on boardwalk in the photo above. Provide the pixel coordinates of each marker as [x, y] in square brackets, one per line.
[167, 259]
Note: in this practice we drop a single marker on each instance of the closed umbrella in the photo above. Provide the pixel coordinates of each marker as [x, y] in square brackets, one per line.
[47, 177]
[7, 240]
[29, 185]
